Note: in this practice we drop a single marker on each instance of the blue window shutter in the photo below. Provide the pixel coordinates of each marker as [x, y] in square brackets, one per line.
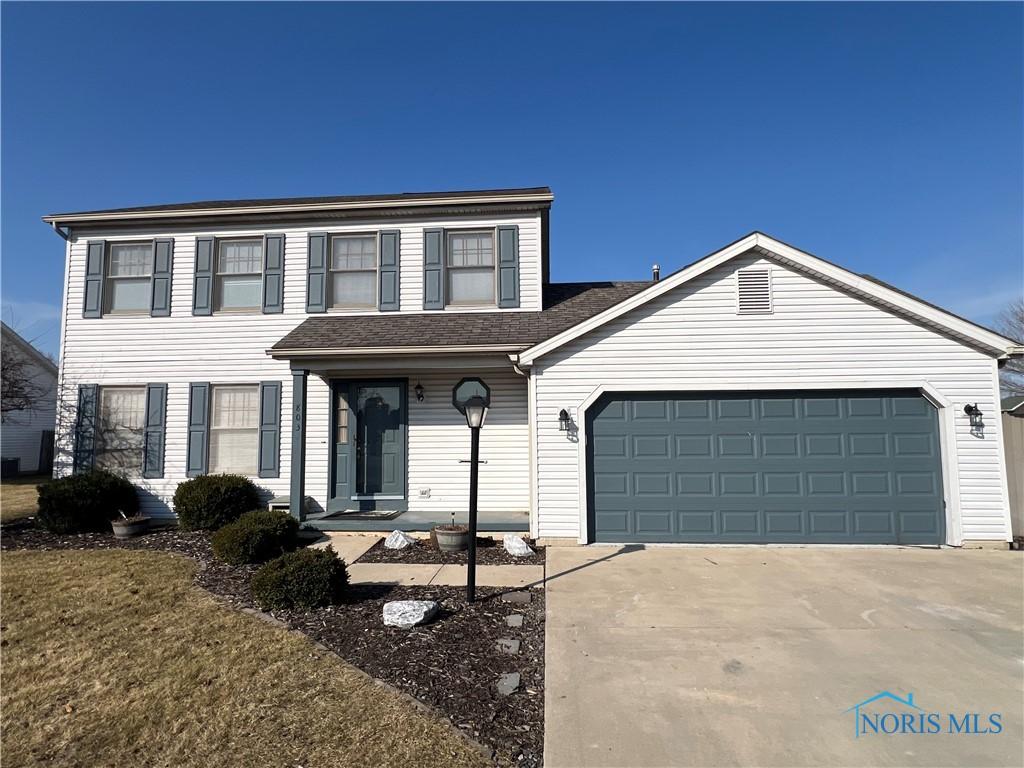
[270, 429]
[198, 428]
[390, 249]
[433, 269]
[316, 275]
[163, 259]
[85, 427]
[508, 267]
[156, 428]
[92, 296]
[202, 292]
[273, 274]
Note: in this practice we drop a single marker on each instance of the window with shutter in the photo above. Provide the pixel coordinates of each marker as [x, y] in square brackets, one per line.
[754, 291]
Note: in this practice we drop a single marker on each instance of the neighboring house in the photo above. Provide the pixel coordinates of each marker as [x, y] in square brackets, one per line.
[760, 394]
[1013, 439]
[27, 434]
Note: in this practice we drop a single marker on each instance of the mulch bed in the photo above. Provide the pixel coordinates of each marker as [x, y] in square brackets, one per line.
[450, 664]
[488, 552]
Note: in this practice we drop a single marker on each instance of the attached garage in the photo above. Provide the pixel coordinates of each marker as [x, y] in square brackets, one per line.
[826, 467]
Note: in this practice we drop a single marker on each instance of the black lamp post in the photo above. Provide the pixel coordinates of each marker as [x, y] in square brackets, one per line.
[472, 398]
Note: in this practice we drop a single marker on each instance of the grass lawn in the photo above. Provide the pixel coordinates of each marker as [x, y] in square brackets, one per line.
[18, 496]
[115, 658]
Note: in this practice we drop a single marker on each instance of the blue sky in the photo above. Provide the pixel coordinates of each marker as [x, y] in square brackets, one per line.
[884, 137]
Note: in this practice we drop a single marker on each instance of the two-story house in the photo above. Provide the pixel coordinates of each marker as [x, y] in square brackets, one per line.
[760, 394]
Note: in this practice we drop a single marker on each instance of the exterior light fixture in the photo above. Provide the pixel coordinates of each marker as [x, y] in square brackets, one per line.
[418, 389]
[563, 420]
[974, 414]
[471, 397]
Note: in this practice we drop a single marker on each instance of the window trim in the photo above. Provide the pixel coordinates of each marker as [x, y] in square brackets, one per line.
[210, 428]
[329, 288]
[217, 274]
[493, 232]
[108, 294]
[99, 429]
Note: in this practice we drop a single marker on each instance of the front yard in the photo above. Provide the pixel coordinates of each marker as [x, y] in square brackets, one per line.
[18, 496]
[114, 657]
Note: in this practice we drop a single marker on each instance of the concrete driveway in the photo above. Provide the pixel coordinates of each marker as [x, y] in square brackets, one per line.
[750, 656]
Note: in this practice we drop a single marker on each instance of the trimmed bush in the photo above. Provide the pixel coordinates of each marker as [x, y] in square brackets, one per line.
[256, 537]
[305, 579]
[85, 502]
[209, 502]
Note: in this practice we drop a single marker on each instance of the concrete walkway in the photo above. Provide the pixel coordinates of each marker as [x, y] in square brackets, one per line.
[350, 548]
[752, 656]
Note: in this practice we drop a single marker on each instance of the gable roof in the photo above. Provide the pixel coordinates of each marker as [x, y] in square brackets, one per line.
[565, 305]
[863, 286]
[9, 335]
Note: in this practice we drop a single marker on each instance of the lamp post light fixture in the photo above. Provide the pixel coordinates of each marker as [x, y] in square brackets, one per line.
[471, 397]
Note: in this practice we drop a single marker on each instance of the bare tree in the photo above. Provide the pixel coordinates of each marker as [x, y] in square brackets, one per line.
[1011, 324]
[20, 391]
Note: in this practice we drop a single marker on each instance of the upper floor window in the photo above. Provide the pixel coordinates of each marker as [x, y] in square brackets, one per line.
[470, 267]
[353, 271]
[128, 277]
[234, 428]
[239, 274]
[119, 434]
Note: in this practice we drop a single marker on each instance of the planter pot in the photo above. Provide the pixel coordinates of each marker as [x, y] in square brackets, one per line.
[452, 538]
[127, 529]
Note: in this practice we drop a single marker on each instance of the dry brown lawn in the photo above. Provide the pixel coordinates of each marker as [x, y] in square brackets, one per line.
[115, 658]
[18, 497]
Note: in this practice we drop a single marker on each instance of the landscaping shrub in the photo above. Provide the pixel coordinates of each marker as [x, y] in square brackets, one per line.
[256, 536]
[209, 502]
[306, 578]
[85, 502]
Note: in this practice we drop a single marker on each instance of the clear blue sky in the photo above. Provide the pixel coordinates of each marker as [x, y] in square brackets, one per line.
[887, 138]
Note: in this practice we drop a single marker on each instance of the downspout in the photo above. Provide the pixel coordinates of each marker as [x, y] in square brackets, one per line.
[531, 420]
[61, 232]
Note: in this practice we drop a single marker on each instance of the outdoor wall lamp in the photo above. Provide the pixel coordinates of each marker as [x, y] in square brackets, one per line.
[418, 389]
[974, 414]
[563, 420]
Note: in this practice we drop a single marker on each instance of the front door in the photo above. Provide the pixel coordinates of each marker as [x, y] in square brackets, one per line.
[369, 446]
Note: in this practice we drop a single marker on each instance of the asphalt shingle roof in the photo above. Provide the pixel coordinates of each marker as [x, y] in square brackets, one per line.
[565, 305]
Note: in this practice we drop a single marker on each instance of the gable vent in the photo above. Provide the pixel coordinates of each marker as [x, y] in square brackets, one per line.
[754, 291]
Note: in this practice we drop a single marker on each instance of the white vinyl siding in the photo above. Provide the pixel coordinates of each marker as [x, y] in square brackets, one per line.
[234, 429]
[817, 336]
[22, 432]
[119, 432]
[128, 277]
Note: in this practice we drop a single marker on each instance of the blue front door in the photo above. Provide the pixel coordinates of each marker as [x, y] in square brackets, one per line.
[369, 468]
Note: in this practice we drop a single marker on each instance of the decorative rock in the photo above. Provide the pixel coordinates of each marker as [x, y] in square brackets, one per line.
[515, 546]
[507, 645]
[398, 540]
[508, 683]
[520, 598]
[406, 614]
[515, 620]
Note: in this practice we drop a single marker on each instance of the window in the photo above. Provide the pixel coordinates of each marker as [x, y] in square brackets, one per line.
[471, 275]
[120, 432]
[354, 271]
[239, 274]
[234, 429]
[128, 275]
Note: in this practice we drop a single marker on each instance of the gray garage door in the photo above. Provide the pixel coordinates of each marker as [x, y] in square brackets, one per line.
[837, 467]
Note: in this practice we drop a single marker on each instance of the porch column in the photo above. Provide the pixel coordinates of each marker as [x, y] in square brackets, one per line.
[297, 494]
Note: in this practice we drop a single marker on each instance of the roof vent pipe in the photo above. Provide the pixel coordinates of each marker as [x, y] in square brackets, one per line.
[656, 270]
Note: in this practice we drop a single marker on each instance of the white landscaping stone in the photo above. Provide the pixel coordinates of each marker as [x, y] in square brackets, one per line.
[515, 546]
[408, 613]
[398, 540]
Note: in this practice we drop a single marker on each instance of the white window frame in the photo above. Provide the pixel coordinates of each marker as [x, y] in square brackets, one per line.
[331, 271]
[448, 234]
[255, 429]
[108, 293]
[99, 452]
[218, 275]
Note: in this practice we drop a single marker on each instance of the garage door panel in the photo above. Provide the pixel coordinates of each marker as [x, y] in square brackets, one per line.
[845, 467]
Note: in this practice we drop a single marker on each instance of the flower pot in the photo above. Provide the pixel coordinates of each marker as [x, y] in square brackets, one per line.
[452, 538]
[131, 527]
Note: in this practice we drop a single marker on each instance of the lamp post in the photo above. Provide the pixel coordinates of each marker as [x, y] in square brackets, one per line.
[472, 398]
